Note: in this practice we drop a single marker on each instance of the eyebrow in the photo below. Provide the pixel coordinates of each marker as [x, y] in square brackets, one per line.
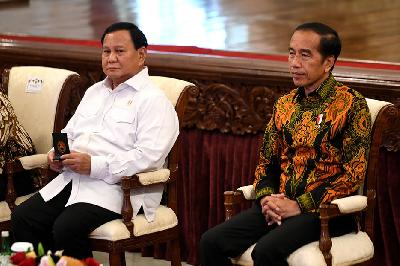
[117, 46]
[304, 50]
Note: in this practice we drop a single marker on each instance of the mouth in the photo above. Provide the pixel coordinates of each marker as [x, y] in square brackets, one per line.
[297, 75]
[112, 68]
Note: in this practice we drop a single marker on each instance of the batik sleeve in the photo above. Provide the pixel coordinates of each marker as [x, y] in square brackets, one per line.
[268, 169]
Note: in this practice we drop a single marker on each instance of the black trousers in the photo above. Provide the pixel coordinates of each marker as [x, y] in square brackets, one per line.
[58, 227]
[274, 243]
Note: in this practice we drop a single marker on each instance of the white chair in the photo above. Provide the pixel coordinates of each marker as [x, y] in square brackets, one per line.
[43, 99]
[125, 234]
[352, 248]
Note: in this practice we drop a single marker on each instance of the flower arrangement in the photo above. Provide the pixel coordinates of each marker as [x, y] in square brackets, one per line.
[30, 258]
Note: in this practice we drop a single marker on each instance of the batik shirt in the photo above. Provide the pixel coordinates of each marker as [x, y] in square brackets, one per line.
[315, 147]
[14, 140]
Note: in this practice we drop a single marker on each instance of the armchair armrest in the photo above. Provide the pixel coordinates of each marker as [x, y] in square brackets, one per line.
[248, 192]
[154, 177]
[351, 204]
[34, 161]
[37, 161]
[136, 181]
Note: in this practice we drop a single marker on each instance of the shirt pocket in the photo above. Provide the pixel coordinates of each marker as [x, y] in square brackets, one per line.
[87, 118]
[121, 115]
[87, 110]
[120, 127]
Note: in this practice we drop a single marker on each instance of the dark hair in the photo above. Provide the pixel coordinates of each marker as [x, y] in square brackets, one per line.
[330, 43]
[138, 38]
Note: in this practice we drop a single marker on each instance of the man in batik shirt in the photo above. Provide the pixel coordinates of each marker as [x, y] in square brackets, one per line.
[14, 142]
[315, 149]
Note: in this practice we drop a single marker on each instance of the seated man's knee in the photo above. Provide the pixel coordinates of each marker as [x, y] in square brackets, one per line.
[206, 239]
[17, 215]
[62, 232]
[210, 239]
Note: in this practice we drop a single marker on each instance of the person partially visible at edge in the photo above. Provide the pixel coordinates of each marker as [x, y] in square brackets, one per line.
[124, 125]
[315, 149]
[14, 143]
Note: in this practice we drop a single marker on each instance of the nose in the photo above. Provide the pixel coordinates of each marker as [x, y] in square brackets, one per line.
[294, 61]
[112, 57]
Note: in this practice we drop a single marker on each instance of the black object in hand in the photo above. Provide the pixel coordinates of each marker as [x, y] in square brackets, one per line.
[60, 144]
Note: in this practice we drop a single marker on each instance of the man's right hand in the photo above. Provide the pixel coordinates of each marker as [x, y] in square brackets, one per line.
[54, 165]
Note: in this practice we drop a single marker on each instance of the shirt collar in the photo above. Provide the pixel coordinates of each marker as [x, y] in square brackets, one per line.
[136, 82]
[323, 91]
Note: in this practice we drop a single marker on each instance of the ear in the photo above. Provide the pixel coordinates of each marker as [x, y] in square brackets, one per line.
[142, 55]
[328, 63]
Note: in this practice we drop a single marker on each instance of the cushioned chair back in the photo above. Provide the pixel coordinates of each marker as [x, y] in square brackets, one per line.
[34, 92]
[374, 107]
[172, 87]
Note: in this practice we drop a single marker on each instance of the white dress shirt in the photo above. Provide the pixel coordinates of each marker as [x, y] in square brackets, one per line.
[128, 130]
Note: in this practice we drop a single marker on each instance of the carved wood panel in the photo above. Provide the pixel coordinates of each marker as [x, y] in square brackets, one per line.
[231, 108]
[391, 132]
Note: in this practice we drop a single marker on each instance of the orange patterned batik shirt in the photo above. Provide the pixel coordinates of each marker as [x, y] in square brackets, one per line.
[315, 147]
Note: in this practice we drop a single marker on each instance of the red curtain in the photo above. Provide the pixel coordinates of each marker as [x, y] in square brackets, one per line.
[387, 211]
[210, 163]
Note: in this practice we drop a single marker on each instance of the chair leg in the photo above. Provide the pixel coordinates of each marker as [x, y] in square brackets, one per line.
[122, 256]
[175, 250]
[117, 258]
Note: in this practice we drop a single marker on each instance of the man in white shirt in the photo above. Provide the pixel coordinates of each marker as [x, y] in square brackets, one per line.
[124, 125]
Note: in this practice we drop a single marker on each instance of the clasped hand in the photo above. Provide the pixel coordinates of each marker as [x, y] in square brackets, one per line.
[76, 161]
[277, 207]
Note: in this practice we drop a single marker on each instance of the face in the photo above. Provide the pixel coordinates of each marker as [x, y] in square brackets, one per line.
[306, 65]
[120, 60]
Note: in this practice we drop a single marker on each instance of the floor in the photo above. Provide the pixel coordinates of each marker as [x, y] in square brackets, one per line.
[370, 29]
[134, 259]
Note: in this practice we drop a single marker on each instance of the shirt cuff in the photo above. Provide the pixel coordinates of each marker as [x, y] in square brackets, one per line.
[264, 192]
[306, 202]
[98, 166]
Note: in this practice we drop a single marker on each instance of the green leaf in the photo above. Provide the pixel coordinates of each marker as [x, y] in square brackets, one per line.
[40, 250]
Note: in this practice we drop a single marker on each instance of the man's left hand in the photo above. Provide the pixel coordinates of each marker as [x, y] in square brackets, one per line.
[279, 207]
[78, 162]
